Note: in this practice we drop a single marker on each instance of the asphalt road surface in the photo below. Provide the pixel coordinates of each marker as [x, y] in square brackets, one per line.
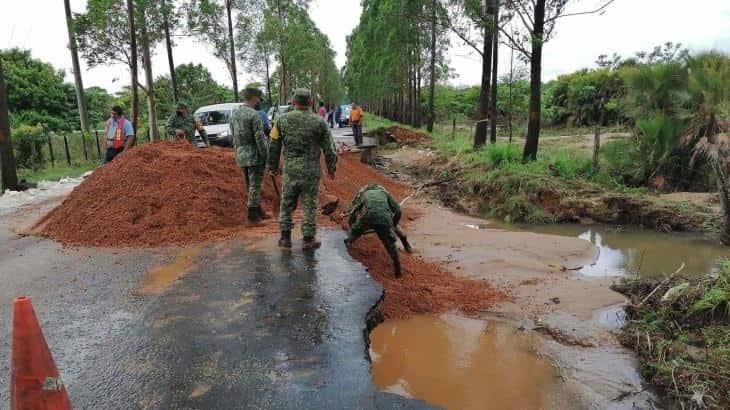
[246, 326]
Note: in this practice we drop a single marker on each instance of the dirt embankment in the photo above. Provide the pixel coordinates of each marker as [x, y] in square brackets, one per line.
[170, 193]
[518, 200]
[399, 136]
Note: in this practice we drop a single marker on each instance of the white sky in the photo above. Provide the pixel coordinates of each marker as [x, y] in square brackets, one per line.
[627, 26]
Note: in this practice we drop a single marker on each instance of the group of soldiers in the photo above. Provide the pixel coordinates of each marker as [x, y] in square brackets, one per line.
[303, 137]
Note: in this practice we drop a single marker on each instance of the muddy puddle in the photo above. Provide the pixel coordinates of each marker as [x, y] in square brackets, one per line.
[462, 363]
[162, 277]
[647, 253]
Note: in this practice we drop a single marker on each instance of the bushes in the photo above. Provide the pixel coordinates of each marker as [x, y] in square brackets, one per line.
[28, 143]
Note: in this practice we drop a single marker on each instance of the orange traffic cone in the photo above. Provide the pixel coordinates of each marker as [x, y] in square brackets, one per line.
[34, 379]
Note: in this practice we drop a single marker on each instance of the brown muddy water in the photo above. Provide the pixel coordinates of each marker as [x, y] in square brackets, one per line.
[642, 252]
[462, 363]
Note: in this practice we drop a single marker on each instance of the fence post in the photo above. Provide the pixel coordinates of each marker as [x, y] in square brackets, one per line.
[98, 148]
[83, 143]
[453, 129]
[50, 149]
[68, 155]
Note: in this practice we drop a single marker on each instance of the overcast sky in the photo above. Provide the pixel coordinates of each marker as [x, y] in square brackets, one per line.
[627, 26]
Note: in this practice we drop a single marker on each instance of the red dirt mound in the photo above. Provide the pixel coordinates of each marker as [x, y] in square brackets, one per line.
[156, 194]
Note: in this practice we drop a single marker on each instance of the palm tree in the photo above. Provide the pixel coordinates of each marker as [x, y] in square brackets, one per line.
[707, 133]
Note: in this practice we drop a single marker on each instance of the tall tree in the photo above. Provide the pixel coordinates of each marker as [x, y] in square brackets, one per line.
[133, 64]
[537, 20]
[495, 69]
[205, 20]
[147, 64]
[432, 85]
[80, 100]
[473, 22]
[8, 173]
[231, 44]
[167, 16]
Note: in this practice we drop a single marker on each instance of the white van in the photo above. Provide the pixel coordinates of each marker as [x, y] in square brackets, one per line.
[216, 120]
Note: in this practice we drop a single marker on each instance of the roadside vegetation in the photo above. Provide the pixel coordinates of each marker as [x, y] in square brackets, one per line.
[657, 127]
[680, 330]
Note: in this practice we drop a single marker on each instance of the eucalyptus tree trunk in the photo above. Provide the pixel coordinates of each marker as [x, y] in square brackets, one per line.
[133, 64]
[232, 46]
[80, 99]
[533, 122]
[495, 68]
[8, 173]
[480, 136]
[432, 84]
[149, 82]
[170, 60]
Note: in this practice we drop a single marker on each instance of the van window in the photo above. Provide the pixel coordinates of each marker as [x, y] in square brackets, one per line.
[214, 117]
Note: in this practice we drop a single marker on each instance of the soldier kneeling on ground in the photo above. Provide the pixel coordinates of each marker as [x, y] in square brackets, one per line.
[374, 209]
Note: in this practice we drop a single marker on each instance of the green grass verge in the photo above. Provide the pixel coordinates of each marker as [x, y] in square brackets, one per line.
[56, 173]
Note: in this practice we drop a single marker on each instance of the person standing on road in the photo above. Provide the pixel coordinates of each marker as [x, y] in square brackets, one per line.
[119, 133]
[338, 116]
[322, 111]
[249, 143]
[303, 137]
[356, 120]
[331, 117]
[373, 208]
[182, 125]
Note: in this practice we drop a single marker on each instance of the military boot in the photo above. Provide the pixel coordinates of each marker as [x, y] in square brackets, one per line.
[253, 215]
[263, 214]
[310, 243]
[285, 240]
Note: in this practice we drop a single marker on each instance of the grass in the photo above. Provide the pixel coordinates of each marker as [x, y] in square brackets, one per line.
[506, 187]
[56, 173]
[683, 343]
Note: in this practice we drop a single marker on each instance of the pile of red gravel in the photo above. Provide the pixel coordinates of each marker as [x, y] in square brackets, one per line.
[156, 194]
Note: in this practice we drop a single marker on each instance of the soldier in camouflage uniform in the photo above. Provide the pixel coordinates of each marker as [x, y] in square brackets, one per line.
[249, 143]
[373, 208]
[303, 136]
[183, 125]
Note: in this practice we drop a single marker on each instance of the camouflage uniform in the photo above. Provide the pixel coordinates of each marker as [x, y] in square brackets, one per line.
[249, 143]
[373, 208]
[303, 135]
[186, 123]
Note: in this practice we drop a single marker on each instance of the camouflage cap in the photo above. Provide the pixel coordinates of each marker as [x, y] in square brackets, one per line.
[252, 92]
[302, 96]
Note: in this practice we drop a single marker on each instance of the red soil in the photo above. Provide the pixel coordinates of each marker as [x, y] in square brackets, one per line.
[172, 193]
[156, 194]
[425, 287]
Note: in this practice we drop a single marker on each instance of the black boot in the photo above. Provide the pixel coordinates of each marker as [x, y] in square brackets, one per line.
[310, 243]
[253, 215]
[262, 214]
[285, 240]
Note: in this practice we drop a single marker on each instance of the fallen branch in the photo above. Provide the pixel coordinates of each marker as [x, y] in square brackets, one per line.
[660, 285]
[426, 185]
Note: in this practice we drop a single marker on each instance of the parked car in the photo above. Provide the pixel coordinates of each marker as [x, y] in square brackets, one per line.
[216, 119]
[278, 110]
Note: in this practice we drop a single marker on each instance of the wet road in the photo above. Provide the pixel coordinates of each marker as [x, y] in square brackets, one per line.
[247, 326]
